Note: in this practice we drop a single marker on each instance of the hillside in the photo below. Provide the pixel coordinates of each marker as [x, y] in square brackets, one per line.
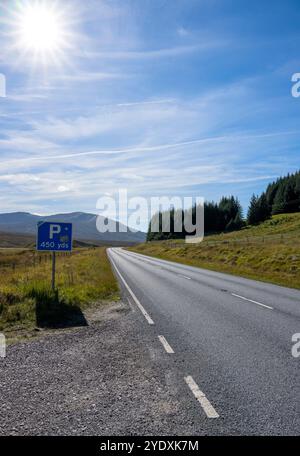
[269, 251]
[9, 240]
[20, 241]
[84, 227]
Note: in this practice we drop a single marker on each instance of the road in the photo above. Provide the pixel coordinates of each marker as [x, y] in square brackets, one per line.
[104, 379]
[227, 342]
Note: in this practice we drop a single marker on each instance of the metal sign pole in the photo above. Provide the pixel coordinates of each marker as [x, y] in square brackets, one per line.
[53, 270]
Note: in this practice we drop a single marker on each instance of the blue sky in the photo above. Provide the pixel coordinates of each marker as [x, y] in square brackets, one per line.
[162, 97]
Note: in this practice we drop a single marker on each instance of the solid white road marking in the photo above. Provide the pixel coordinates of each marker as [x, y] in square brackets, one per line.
[146, 315]
[251, 300]
[166, 345]
[201, 398]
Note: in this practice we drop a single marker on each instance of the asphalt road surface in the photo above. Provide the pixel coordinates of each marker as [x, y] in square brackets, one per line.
[227, 343]
[104, 379]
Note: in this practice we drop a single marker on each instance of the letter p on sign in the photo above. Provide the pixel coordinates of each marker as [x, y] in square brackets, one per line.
[54, 229]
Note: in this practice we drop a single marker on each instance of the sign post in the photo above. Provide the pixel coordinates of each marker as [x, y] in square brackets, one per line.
[54, 237]
[53, 270]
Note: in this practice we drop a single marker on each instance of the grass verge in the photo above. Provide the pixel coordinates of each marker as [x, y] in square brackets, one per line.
[26, 298]
[269, 252]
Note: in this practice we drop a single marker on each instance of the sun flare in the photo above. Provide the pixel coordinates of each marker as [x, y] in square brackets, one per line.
[40, 30]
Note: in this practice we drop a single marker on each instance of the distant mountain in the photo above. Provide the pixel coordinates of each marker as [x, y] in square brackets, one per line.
[84, 226]
[8, 240]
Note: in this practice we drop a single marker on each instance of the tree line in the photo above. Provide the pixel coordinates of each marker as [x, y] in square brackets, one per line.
[223, 216]
[281, 196]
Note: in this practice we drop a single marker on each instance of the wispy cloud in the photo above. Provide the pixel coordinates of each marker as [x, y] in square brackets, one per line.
[155, 53]
[147, 102]
[160, 147]
[183, 107]
[27, 97]
[82, 76]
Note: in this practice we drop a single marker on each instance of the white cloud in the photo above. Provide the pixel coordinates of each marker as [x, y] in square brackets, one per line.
[131, 119]
[154, 145]
[63, 188]
[27, 97]
[146, 102]
[182, 31]
[225, 140]
[83, 76]
[155, 53]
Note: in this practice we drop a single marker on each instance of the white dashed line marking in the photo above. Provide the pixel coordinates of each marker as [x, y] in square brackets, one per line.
[146, 315]
[201, 398]
[185, 277]
[165, 344]
[251, 300]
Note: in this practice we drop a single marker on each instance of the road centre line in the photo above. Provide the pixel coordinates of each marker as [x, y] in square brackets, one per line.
[251, 300]
[144, 312]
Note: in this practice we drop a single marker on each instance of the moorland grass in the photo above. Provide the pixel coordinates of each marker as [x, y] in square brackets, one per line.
[269, 252]
[26, 298]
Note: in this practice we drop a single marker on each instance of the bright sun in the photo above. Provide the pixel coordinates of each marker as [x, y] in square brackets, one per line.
[40, 28]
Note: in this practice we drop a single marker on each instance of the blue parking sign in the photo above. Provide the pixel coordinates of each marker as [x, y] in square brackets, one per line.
[54, 236]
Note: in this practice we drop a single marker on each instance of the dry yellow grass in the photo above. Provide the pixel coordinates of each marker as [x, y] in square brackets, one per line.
[268, 252]
[25, 284]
